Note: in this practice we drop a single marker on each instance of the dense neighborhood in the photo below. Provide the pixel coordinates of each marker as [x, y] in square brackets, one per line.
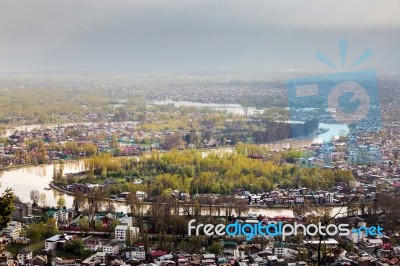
[115, 238]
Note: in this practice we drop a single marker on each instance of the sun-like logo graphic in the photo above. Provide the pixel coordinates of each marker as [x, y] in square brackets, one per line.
[343, 53]
[348, 102]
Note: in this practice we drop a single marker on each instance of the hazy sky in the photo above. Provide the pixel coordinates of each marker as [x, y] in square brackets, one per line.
[189, 35]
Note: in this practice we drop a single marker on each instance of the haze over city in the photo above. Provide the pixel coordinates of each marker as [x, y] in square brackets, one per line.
[194, 36]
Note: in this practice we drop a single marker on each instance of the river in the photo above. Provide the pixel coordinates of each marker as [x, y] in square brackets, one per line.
[229, 107]
[24, 180]
[10, 131]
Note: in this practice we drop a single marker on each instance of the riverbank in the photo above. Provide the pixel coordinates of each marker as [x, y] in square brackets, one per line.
[24, 180]
[19, 166]
[204, 149]
[206, 206]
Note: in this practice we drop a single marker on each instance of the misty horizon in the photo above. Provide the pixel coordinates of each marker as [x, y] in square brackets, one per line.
[195, 36]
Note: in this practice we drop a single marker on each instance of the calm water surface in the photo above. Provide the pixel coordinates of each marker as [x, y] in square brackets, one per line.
[26, 179]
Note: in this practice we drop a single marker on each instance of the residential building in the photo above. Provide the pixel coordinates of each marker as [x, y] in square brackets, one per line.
[121, 232]
[61, 262]
[157, 253]
[279, 248]
[359, 235]
[329, 197]
[299, 199]
[21, 210]
[136, 253]
[126, 221]
[282, 249]
[111, 247]
[63, 215]
[56, 242]
[5, 258]
[12, 230]
[23, 256]
[141, 195]
[21, 241]
[92, 244]
[37, 261]
[96, 259]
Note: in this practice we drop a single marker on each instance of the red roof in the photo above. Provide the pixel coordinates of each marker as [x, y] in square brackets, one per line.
[158, 253]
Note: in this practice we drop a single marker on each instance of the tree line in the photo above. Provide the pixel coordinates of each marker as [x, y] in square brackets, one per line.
[191, 172]
[275, 131]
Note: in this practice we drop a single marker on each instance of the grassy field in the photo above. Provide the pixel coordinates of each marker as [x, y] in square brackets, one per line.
[13, 249]
[36, 248]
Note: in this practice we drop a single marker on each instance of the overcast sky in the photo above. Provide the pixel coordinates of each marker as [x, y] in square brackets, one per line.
[189, 35]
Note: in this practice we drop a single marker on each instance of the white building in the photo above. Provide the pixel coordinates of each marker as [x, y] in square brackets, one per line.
[13, 229]
[98, 258]
[329, 197]
[92, 244]
[254, 199]
[299, 199]
[51, 243]
[162, 259]
[63, 214]
[60, 262]
[281, 249]
[359, 235]
[141, 195]
[330, 242]
[23, 256]
[138, 254]
[111, 248]
[126, 221]
[354, 184]
[121, 232]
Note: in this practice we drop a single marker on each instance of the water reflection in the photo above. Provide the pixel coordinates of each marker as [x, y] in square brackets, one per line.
[24, 180]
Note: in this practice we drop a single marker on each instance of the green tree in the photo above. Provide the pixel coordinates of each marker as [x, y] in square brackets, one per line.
[42, 199]
[61, 202]
[79, 200]
[215, 248]
[39, 231]
[114, 142]
[76, 247]
[6, 207]
[51, 227]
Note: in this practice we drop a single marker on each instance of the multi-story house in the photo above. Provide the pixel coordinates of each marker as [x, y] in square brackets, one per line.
[121, 232]
[111, 247]
[23, 256]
